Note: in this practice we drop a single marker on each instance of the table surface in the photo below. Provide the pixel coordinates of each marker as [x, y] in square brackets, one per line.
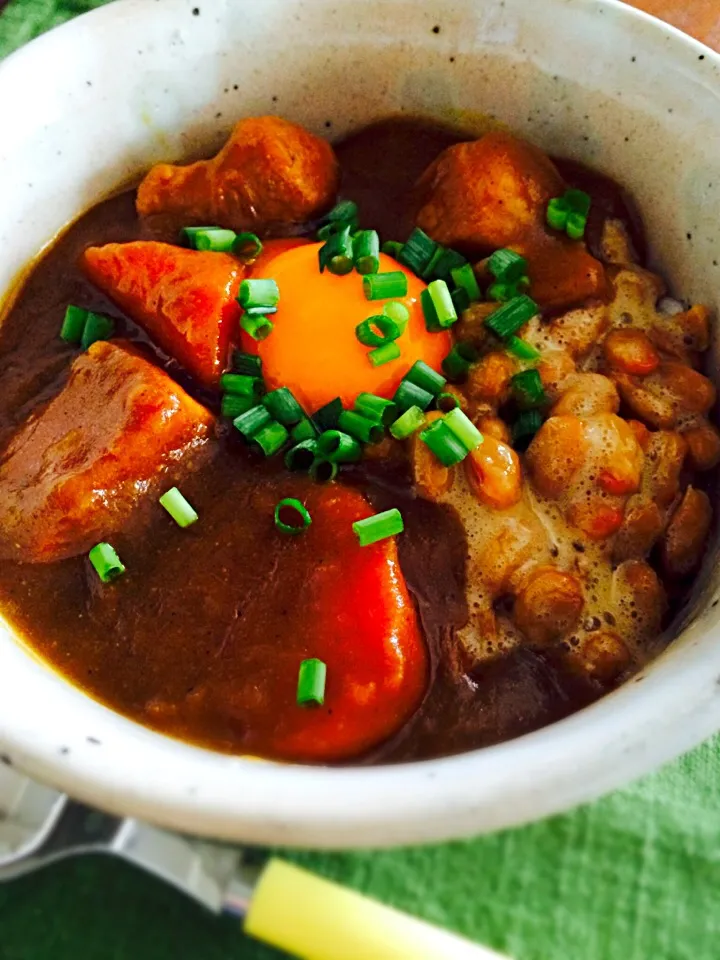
[632, 877]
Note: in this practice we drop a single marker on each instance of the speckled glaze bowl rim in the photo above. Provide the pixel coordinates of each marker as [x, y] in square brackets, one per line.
[132, 771]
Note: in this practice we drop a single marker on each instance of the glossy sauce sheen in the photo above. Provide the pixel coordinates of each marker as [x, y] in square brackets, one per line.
[204, 608]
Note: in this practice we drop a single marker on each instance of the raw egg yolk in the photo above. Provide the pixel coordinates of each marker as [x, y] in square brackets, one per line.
[313, 349]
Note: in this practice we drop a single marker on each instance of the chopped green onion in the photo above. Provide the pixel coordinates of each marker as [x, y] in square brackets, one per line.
[442, 301]
[291, 516]
[305, 430]
[575, 226]
[424, 376]
[417, 252]
[447, 402]
[326, 418]
[330, 229]
[106, 562]
[408, 395]
[508, 319]
[448, 261]
[271, 438]
[260, 311]
[429, 271]
[97, 327]
[246, 363]
[311, 682]
[528, 388]
[209, 238]
[258, 327]
[502, 292]
[247, 246]
[398, 312]
[366, 251]
[439, 438]
[345, 211]
[381, 355]
[461, 300]
[578, 201]
[73, 324]
[507, 266]
[464, 278]
[338, 446]
[283, 406]
[557, 213]
[242, 385]
[463, 428]
[179, 509]
[254, 419]
[232, 405]
[377, 409]
[388, 331]
[360, 427]
[301, 456]
[337, 252]
[522, 349]
[525, 428]
[378, 527]
[258, 293]
[385, 286]
[392, 248]
[407, 423]
[456, 364]
[323, 470]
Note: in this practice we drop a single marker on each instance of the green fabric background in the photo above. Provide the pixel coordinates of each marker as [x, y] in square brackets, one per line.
[635, 876]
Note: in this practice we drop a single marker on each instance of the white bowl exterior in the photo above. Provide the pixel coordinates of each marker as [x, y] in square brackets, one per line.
[90, 106]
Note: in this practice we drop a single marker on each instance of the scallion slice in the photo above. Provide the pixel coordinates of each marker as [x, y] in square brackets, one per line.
[106, 562]
[392, 248]
[366, 251]
[508, 319]
[557, 213]
[242, 385]
[578, 201]
[254, 419]
[378, 527]
[507, 266]
[291, 516]
[444, 444]
[257, 327]
[575, 226]
[461, 300]
[381, 355]
[246, 363]
[464, 278]
[346, 211]
[398, 312]
[463, 428]
[73, 324]
[429, 271]
[417, 252]
[284, 407]
[456, 364]
[442, 301]
[338, 446]
[360, 427]
[216, 239]
[445, 402]
[302, 456]
[448, 261]
[528, 388]
[385, 286]
[97, 327]
[408, 395]
[323, 470]
[374, 408]
[247, 246]
[525, 428]
[522, 349]
[312, 678]
[337, 252]
[407, 423]
[233, 404]
[258, 293]
[305, 430]
[326, 418]
[377, 331]
[179, 509]
[424, 376]
[271, 438]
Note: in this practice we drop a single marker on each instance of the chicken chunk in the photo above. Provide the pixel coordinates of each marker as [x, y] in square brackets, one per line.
[494, 192]
[184, 299]
[270, 171]
[75, 471]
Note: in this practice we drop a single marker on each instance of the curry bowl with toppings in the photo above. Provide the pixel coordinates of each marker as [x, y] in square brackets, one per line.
[359, 450]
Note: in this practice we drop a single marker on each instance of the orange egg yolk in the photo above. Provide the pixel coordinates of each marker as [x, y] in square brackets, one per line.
[313, 349]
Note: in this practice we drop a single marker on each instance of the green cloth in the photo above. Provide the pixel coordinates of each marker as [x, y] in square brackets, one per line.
[635, 876]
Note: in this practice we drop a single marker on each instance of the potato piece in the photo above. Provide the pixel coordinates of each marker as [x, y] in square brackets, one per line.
[270, 171]
[578, 331]
[556, 454]
[631, 351]
[668, 395]
[602, 656]
[640, 601]
[683, 334]
[664, 460]
[642, 525]
[548, 605]
[703, 446]
[556, 369]
[75, 471]
[587, 395]
[432, 479]
[494, 473]
[686, 535]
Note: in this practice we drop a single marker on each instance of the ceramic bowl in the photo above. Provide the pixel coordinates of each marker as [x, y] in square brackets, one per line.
[88, 107]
